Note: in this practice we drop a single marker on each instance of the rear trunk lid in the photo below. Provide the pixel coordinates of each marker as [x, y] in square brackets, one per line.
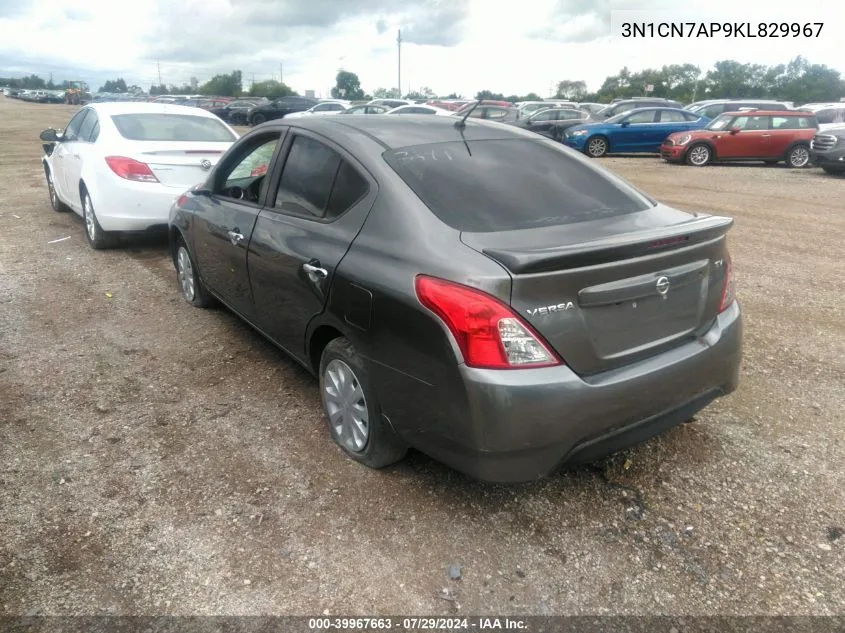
[611, 291]
[179, 164]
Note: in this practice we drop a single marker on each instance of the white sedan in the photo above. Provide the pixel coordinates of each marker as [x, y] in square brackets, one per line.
[122, 165]
[421, 109]
[321, 109]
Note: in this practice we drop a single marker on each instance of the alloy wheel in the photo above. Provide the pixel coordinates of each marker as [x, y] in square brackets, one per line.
[699, 155]
[346, 406]
[185, 272]
[799, 156]
[52, 189]
[597, 147]
[90, 220]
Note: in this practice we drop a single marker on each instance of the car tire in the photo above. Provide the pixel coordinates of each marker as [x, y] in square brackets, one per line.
[190, 286]
[798, 156]
[699, 155]
[833, 171]
[257, 119]
[55, 201]
[596, 146]
[352, 411]
[97, 238]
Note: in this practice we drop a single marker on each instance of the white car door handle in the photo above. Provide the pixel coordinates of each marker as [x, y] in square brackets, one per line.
[310, 269]
[235, 237]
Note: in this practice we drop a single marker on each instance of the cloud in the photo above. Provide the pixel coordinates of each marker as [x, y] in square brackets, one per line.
[437, 23]
[11, 9]
[381, 26]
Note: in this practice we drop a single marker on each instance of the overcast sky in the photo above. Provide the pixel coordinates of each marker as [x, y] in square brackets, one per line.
[449, 45]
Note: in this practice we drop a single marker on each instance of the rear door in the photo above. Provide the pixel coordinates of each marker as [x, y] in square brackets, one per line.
[224, 220]
[318, 207]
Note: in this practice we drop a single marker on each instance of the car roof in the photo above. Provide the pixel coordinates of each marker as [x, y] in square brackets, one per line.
[761, 112]
[404, 131]
[139, 107]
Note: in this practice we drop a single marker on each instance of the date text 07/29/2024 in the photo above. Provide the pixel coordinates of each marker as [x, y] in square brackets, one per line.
[720, 29]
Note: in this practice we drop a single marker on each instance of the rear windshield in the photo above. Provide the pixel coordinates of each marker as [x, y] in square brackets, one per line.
[504, 185]
[171, 127]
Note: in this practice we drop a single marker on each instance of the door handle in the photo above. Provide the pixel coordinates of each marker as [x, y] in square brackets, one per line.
[235, 237]
[315, 270]
[765, 135]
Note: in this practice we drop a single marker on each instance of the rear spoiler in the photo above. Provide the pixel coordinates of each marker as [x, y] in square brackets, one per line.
[625, 246]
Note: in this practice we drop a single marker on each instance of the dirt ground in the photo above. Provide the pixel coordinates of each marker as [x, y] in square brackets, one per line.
[158, 459]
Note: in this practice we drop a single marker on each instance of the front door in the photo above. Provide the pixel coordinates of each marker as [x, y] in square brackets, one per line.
[746, 137]
[633, 133]
[226, 217]
[65, 160]
[305, 229]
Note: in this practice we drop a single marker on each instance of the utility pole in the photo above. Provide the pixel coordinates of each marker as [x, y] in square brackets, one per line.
[252, 81]
[158, 64]
[281, 75]
[399, 61]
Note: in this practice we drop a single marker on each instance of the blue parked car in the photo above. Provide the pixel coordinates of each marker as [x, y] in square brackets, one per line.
[640, 130]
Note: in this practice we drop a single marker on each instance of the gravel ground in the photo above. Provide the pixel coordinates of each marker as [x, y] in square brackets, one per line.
[158, 459]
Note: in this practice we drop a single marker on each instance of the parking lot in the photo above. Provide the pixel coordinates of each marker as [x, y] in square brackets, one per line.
[155, 458]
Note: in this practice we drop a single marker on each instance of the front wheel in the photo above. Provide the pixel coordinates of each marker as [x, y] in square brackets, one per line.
[352, 411]
[597, 147]
[258, 119]
[190, 286]
[699, 155]
[798, 156]
[98, 239]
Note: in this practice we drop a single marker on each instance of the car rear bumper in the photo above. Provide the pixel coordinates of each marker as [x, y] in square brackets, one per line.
[523, 425]
[123, 205]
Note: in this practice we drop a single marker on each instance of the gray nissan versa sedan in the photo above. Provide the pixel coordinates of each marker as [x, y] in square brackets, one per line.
[475, 291]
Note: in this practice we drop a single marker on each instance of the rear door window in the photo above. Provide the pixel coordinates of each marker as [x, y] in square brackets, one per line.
[670, 116]
[502, 185]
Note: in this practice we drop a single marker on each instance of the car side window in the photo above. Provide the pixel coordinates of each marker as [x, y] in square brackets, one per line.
[498, 115]
[247, 169]
[95, 133]
[711, 112]
[646, 116]
[691, 116]
[545, 115]
[785, 123]
[670, 116]
[349, 187]
[71, 132]
[758, 123]
[307, 178]
[87, 127]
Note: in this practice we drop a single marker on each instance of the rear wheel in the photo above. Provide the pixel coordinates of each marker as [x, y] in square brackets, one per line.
[258, 119]
[97, 237]
[699, 155]
[352, 411]
[798, 156]
[597, 146]
[55, 202]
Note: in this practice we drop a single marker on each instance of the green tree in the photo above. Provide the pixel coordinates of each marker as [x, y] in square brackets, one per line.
[385, 93]
[347, 86]
[223, 85]
[271, 89]
[158, 90]
[116, 85]
[574, 90]
[490, 96]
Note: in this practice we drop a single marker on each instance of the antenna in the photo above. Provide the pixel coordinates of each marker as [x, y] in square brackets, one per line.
[463, 122]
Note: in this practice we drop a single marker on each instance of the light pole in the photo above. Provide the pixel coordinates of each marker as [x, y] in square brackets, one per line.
[399, 62]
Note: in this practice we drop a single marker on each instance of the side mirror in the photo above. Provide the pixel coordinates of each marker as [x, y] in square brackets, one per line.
[625, 123]
[529, 123]
[201, 190]
[50, 136]
[734, 130]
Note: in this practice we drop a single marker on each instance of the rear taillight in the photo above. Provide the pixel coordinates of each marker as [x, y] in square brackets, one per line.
[131, 169]
[489, 334]
[729, 289]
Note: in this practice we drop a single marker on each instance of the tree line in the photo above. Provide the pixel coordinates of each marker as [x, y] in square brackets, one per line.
[799, 81]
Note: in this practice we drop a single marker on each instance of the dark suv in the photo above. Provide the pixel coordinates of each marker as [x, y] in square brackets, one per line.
[827, 150]
[625, 105]
[278, 108]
